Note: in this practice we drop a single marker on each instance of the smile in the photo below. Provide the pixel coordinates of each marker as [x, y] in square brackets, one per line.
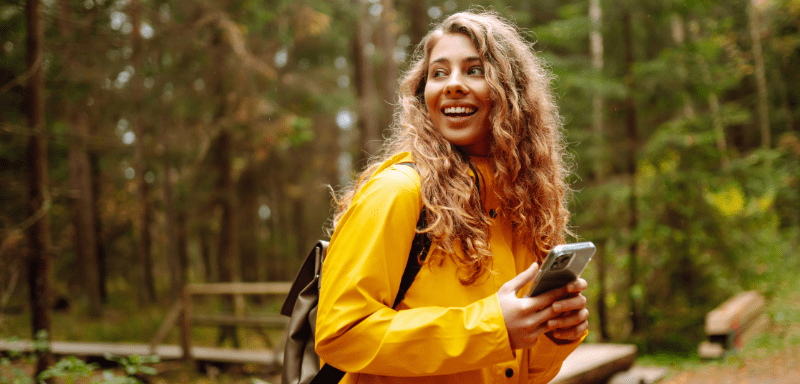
[459, 111]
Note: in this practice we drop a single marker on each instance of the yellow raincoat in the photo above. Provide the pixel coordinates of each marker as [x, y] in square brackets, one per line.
[442, 331]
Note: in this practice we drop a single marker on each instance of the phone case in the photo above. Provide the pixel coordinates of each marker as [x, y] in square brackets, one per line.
[563, 265]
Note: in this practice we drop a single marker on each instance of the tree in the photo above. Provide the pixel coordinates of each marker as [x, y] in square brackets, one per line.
[38, 197]
[761, 80]
[637, 318]
[596, 48]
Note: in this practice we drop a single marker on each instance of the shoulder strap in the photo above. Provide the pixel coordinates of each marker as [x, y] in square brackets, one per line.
[419, 250]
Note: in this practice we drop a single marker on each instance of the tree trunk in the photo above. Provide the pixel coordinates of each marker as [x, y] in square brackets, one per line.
[369, 132]
[596, 47]
[635, 289]
[679, 37]
[419, 21]
[226, 254]
[205, 250]
[713, 101]
[248, 222]
[761, 79]
[176, 281]
[183, 250]
[100, 249]
[145, 238]
[38, 194]
[83, 213]
[388, 45]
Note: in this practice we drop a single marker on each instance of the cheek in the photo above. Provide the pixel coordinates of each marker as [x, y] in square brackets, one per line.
[429, 99]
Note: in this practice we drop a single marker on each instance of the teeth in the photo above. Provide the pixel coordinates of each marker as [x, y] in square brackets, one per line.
[459, 110]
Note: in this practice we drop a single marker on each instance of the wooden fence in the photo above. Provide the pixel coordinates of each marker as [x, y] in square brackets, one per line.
[181, 311]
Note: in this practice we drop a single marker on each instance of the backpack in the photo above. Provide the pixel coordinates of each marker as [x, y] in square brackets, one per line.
[301, 364]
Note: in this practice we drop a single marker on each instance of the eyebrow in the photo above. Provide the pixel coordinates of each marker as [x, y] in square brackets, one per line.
[466, 60]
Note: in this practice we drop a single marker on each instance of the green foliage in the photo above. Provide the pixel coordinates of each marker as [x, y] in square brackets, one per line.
[72, 368]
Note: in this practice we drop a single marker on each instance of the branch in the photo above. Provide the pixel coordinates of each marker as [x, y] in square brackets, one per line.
[15, 232]
[23, 77]
[235, 38]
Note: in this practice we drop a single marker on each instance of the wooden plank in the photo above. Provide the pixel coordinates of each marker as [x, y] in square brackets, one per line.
[167, 324]
[735, 314]
[595, 363]
[247, 321]
[757, 327]
[165, 352]
[264, 288]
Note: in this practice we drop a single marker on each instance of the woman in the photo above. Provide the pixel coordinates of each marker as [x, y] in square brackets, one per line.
[478, 121]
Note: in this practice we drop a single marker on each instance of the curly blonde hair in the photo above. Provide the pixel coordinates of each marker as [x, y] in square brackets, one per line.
[527, 147]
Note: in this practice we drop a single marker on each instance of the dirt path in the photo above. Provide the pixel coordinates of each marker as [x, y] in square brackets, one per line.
[783, 368]
[774, 359]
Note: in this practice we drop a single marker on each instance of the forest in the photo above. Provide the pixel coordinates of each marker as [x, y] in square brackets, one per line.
[147, 144]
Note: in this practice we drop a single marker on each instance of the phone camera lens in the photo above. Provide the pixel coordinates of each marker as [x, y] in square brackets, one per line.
[561, 262]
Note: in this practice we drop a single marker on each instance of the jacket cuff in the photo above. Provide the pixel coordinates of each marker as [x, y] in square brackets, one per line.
[496, 313]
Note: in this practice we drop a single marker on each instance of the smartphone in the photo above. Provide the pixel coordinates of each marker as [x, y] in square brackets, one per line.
[563, 265]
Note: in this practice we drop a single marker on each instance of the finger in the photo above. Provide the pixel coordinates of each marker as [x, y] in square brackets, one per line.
[520, 280]
[572, 333]
[568, 320]
[570, 304]
[577, 286]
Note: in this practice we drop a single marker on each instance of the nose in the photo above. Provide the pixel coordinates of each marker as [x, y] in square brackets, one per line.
[455, 84]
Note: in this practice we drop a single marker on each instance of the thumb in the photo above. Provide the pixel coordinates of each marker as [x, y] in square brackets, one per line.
[520, 280]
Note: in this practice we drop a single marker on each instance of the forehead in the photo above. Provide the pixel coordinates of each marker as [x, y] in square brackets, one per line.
[453, 47]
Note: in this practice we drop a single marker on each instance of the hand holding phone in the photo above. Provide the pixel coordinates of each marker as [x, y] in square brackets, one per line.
[563, 265]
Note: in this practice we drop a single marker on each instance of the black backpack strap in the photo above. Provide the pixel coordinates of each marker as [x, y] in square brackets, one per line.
[419, 250]
[328, 374]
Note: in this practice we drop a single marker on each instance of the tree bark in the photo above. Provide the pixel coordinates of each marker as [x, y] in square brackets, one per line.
[83, 213]
[636, 316]
[38, 195]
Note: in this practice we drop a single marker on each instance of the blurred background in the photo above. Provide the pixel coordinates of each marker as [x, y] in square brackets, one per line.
[183, 141]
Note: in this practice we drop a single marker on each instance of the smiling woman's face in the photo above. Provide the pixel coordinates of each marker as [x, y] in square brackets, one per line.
[457, 95]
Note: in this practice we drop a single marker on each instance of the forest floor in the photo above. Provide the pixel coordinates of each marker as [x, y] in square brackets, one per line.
[772, 358]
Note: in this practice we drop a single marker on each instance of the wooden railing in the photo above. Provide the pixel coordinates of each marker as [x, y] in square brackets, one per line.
[182, 310]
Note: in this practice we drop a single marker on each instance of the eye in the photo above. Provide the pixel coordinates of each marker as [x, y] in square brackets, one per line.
[438, 73]
[476, 71]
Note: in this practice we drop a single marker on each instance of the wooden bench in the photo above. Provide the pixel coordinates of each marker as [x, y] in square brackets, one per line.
[733, 324]
[595, 363]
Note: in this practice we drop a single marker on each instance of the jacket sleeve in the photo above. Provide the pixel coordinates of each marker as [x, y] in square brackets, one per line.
[546, 357]
[359, 332]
